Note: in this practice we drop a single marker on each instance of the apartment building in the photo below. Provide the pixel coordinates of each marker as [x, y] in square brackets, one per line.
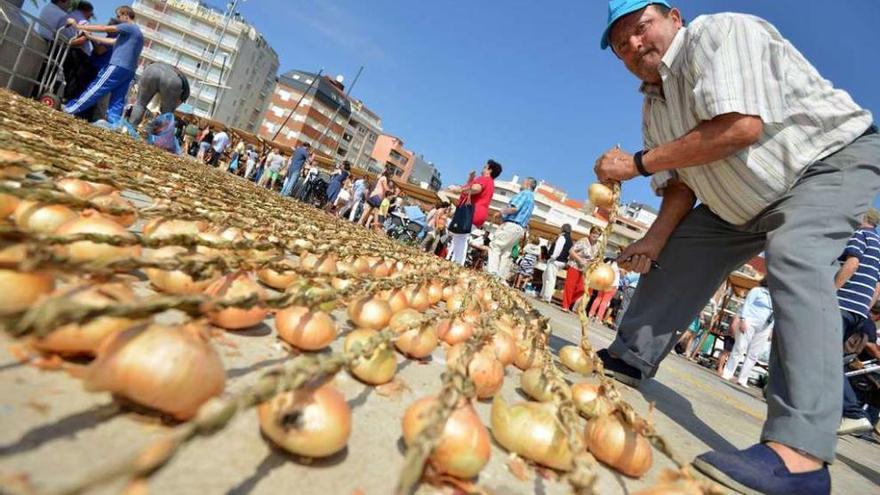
[390, 154]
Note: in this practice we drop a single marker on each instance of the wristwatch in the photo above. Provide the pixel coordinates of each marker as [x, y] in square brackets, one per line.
[640, 166]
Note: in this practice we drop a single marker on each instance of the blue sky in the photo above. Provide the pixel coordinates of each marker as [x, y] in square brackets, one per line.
[521, 81]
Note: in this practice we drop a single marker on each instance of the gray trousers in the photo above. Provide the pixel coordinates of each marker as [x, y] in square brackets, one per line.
[802, 234]
[157, 78]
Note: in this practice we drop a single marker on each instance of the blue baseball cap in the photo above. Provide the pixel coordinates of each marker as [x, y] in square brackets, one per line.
[620, 8]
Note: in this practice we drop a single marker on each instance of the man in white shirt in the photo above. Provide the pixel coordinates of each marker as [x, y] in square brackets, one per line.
[557, 259]
[219, 145]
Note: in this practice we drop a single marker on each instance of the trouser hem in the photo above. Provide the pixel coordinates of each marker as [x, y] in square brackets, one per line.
[801, 435]
[629, 357]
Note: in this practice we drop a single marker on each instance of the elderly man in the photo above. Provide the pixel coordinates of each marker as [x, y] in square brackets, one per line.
[515, 220]
[782, 162]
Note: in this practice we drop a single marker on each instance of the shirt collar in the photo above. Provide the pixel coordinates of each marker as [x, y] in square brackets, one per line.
[670, 63]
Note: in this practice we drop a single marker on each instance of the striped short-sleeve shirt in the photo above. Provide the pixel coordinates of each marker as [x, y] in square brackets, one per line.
[736, 63]
[856, 294]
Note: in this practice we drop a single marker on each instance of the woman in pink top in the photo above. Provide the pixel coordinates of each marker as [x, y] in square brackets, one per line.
[376, 196]
[480, 190]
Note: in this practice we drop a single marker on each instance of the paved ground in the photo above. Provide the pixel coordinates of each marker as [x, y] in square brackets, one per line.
[52, 430]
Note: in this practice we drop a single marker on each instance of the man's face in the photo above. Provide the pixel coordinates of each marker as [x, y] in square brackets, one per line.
[122, 17]
[641, 39]
[593, 236]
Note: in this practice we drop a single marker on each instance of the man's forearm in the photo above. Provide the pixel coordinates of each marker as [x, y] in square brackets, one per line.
[846, 271]
[678, 201]
[709, 141]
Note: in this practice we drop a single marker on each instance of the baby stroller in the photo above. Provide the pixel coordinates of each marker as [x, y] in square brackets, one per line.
[404, 230]
[316, 192]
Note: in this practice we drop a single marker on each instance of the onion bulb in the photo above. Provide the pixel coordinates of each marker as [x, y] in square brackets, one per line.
[455, 331]
[417, 343]
[619, 446]
[171, 369]
[485, 370]
[305, 329]
[590, 403]
[454, 302]
[380, 269]
[574, 358]
[177, 281]
[19, 290]
[369, 312]
[377, 368]
[325, 263]
[463, 448]
[396, 299]
[92, 222]
[77, 188]
[278, 280]
[100, 188]
[527, 357]
[448, 292]
[435, 292]
[312, 423]
[42, 217]
[160, 228]
[531, 430]
[231, 287]
[361, 266]
[601, 195]
[418, 298]
[8, 204]
[536, 385]
[114, 200]
[404, 320]
[504, 347]
[602, 277]
[84, 339]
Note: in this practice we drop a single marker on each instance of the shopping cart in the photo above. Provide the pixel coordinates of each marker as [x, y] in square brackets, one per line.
[30, 65]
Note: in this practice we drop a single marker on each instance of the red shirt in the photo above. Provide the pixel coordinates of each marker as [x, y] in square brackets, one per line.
[481, 199]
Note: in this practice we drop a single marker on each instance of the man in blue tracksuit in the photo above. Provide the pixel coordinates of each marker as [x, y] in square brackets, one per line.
[116, 77]
[296, 164]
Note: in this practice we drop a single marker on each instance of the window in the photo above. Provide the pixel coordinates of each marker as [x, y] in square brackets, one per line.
[284, 95]
[341, 151]
[278, 111]
[346, 137]
[292, 134]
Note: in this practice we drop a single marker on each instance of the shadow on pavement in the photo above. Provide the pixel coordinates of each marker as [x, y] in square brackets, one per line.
[67, 426]
[271, 462]
[236, 372]
[678, 409]
[863, 471]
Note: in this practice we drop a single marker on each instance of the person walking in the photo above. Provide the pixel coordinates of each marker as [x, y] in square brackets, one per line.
[160, 79]
[358, 189]
[734, 116]
[752, 328]
[556, 259]
[580, 255]
[251, 157]
[218, 147]
[857, 291]
[514, 222]
[374, 199]
[337, 178]
[117, 76]
[472, 208]
[294, 170]
[207, 137]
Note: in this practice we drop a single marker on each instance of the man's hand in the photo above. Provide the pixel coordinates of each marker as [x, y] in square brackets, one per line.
[637, 257]
[615, 164]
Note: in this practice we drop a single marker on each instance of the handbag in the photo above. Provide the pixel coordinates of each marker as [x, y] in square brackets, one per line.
[463, 218]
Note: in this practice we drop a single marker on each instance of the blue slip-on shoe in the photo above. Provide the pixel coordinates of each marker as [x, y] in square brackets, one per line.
[620, 370]
[759, 470]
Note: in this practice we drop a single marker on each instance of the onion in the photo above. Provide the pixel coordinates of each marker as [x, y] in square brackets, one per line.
[42, 217]
[379, 367]
[454, 332]
[92, 222]
[602, 277]
[160, 228]
[177, 281]
[380, 269]
[19, 290]
[312, 423]
[574, 358]
[305, 329]
[448, 292]
[278, 280]
[682, 486]
[77, 188]
[504, 347]
[418, 343]
[361, 266]
[527, 357]
[115, 200]
[171, 369]
[369, 312]
[325, 263]
[535, 385]
[454, 302]
[396, 299]
[619, 446]
[231, 234]
[341, 284]
[100, 188]
[404, 320]
[13, 171]
[418, 298]
[485, 369]
[589, 401]
[84, 339]
[531, 430]
[435, 292]
[463, 448]
[8, 204]
[235, 286]
[601, 195]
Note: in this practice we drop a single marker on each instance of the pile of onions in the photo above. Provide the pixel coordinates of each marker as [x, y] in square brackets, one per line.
[601, 195]
[231, 287]
[92, 222]
[41, 217]
[536, 385]
[463, 448]
[602, 277]
[278, 280]
[114, 200]
[485, 369]
[454, 332]
[369, 312]
[177, 281]
[574, 358]
[171, 369]
[305, 329]
[85, 338]
[325, 263]
[531, 430]
[619, 446]
[307, 422]
[589, 401]
[160, 228]
[418, 342]
[19, 290]
[379, 367]
[77, 188]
